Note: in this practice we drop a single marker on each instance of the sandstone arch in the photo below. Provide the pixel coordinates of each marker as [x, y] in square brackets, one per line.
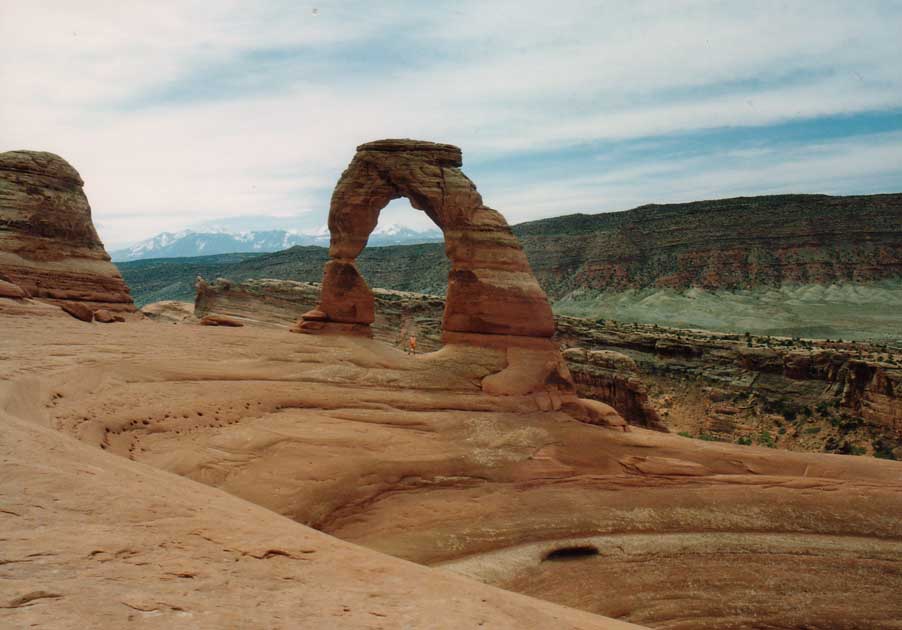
[491, 288]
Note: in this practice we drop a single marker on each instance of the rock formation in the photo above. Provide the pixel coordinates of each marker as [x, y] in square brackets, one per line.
[795, 393]
[48, 245]
[614, 378]
[798, 239]
[493, 300]
[491, 289]
[277, 303]
[802, 265]
[405, 456]
[170, 311]
[839, 395]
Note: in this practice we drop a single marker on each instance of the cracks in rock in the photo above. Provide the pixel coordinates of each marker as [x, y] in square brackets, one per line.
[441, 170]
[265, 554]
[30, 599]
[408, 483]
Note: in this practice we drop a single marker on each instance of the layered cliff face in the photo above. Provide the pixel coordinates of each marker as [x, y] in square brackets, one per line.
[738, 243]
[48, 245]
[797, 394]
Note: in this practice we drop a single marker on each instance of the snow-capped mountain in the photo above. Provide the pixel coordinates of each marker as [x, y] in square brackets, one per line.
[216, 241]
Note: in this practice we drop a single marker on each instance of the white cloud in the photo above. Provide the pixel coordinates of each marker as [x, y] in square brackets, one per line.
[830, 167]
[100, 83]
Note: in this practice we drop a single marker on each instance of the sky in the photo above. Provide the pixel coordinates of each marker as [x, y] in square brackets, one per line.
[180, 114]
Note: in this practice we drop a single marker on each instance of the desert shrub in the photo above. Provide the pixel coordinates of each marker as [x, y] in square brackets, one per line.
[744, 440]
[685, 434]
[883, 449]
[848, 424]
[766, 439]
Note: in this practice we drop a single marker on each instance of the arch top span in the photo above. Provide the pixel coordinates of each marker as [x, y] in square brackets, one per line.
[491, 287]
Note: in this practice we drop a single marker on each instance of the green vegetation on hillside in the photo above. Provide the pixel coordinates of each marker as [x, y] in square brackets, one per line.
[796, 265]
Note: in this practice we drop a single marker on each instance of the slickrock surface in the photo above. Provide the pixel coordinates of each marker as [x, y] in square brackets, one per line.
[48, 244]
[94, 540]
[825, 396]
[170, 311]
[407, 456]
[491, 289]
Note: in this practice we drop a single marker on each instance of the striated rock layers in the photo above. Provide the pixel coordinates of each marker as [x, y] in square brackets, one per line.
[793, 393]
[728, 386]
[614, 378]
[493, 300]
[491, 288]
[783, 239]
[48, 245]
[609, 377]
[405, 456]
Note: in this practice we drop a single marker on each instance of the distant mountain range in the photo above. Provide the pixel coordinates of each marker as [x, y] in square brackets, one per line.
[806, 265]
[192, 243]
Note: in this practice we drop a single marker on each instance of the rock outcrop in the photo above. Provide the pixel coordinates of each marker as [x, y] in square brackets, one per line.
[398, 315]
[491, 289]
[794, 393]
[48, 245]
[645, 372]
[405, 456]
[492, 301]
[614, 378]
[170, 311]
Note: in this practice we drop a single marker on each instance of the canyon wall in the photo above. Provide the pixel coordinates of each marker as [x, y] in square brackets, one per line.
[722, 244]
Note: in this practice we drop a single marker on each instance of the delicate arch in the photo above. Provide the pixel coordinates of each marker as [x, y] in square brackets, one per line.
[491, 288]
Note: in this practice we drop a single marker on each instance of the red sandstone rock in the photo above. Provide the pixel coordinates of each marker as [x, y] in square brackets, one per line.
[78, 311]
[350, 299]
[106, 317]
[491, 289]
[10, 290]
[614, 377]
[48, 244]
[219, 320]
[595, 412]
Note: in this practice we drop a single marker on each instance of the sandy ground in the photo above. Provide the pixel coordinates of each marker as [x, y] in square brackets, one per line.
[404, 456]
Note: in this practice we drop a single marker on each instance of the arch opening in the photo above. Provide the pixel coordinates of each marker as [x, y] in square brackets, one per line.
[491, 289]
